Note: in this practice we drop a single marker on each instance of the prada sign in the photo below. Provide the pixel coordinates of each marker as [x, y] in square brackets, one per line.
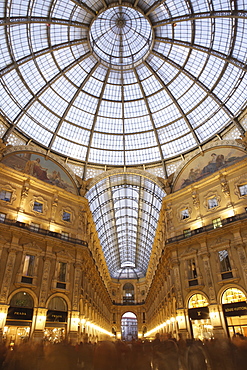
[235, 309]
[20, 313]
[198, 313]
[56, 316]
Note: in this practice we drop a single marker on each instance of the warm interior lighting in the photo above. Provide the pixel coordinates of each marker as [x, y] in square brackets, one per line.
[21, 217]
[230, 212]
[98, 328]
[2, 315]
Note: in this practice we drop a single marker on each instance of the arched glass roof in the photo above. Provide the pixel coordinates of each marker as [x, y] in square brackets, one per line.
[122, 83]
[126, 209]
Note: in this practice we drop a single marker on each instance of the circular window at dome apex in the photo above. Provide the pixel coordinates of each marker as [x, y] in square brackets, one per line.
[121, 36]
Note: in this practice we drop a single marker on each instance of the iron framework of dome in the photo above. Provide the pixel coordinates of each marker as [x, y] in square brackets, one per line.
[122, 84]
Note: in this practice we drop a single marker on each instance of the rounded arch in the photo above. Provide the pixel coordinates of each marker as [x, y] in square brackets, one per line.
[197, 299]
[24, 290]
[129, 171]
[186, 174]
[60, 295]
[128, 287]
[52, 157]
[22, 299]
[129, 326]
[231, 294]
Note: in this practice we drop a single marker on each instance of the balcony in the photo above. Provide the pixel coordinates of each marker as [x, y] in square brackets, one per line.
[207, 228]
[44, 232]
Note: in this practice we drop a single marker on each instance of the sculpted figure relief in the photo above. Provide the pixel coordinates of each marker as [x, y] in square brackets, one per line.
[3, 147]
[243, 140]
[167, 183]
[84, 185]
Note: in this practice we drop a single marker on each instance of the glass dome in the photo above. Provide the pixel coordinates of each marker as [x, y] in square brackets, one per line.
[122, 83]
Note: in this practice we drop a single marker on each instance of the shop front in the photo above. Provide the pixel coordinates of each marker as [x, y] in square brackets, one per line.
[234, 307]
[56, 321]
[19, 319]
[198, 313]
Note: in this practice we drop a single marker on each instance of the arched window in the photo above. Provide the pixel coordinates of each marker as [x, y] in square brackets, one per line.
[128, 293]
[197, 300]
[57, 304]
[22, 299]
[233, 295]
[21, 309]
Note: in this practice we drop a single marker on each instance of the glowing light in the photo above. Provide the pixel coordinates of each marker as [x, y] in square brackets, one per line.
[41, 318]
[2, 315]
[98, 328]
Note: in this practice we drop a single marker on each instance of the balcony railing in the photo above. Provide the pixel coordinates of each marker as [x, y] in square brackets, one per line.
[45, 232]
[128, 303]
[206, 228]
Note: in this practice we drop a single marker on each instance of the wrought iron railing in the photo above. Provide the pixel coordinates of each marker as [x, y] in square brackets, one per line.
[41, 231]
[206, 228]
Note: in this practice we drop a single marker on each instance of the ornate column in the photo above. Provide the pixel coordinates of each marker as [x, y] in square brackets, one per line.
[39, 324]
[74, 319]
[24, 194]
[208, 277]
[243, 261]
[7, 276]
[181, 313]
[54, 207]
[45, 281]
[214, 307]
[196, 202]
[3, 316]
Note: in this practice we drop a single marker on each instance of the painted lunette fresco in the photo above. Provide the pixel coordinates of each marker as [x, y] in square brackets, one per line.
[204, 165]
[36, 165]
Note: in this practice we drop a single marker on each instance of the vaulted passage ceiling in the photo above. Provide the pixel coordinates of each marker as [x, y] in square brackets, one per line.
[122, 83]
[126, 209]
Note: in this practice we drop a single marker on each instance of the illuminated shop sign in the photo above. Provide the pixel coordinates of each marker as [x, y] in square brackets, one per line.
[235, 309]
[56, 316]
[198, 313]
[20, 313]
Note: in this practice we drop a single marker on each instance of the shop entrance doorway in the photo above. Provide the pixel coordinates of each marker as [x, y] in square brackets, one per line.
[19, 319]
[235, 311]
[129, 327]
[200, 322]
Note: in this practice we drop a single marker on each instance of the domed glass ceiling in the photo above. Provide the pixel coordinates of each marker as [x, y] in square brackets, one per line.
[122, 83]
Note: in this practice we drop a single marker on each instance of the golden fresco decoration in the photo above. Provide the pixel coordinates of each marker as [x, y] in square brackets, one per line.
[202, 166]
[44, 169]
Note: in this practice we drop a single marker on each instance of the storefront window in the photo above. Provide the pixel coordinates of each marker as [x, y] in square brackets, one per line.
[56, 320]
[233, 295]
[54, 335]
[198, 300]
[235, 311]
[19, 319]
[200, 321]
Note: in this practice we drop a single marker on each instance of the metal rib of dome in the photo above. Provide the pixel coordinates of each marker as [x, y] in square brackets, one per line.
[65, 84]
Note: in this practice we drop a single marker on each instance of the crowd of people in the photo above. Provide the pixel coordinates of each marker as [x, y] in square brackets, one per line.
[168, 354]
